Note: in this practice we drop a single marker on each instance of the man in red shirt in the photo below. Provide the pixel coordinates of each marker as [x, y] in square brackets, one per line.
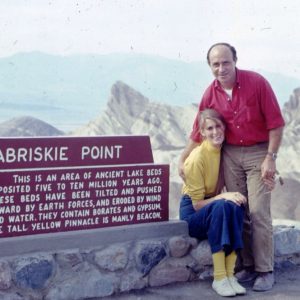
[253, 135]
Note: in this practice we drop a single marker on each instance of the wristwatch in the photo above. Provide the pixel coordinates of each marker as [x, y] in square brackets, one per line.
[273, 155]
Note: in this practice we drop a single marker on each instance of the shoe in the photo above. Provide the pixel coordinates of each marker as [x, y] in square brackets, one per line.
[223, 287]
[264, 282]
[245, 276]
[239, 290]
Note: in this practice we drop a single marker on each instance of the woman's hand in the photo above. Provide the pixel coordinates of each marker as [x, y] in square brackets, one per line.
[235, 197]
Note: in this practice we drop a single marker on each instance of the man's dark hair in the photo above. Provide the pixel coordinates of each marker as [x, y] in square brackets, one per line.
[231, 48]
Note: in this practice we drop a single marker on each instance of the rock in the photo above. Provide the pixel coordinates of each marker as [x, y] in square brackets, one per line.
[287, 239]
[84, 286]
[148, 255]
[202, 253]
[5, 276]
[133, 280]
[112, 258]
[33, 272]
[68, 259]
[170, 270]
[11, 296]
[179, 246]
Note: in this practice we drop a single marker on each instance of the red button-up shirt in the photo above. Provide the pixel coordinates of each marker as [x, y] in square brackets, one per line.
[249, 114]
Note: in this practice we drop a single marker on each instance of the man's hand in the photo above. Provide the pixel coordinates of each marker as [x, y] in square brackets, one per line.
[268, 167]
[186, 152]
[268, 171]
[181, 170]
[270, 183]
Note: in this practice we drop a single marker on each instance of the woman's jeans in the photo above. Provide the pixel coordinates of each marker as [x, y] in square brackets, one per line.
[221, 222]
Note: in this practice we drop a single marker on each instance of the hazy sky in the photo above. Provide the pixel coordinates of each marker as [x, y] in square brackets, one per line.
[264, 32]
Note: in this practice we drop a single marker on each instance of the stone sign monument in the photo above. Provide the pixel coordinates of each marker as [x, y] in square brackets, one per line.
[58, 184]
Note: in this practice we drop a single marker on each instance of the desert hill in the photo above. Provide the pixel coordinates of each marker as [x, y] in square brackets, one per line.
[27, 126]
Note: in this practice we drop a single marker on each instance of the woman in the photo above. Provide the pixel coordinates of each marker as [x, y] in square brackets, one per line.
[209, 213]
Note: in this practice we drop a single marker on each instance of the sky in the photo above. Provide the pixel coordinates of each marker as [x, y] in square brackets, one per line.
[265, 33]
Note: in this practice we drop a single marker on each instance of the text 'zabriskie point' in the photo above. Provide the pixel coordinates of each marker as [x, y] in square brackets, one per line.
[11, 155]
[61, 184]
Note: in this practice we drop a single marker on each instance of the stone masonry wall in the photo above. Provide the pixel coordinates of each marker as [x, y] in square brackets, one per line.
[119, 267]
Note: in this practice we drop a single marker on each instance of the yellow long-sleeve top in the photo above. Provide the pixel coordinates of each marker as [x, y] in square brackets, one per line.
[201, 170]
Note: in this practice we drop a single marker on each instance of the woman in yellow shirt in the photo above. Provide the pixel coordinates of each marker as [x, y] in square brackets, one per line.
[209, 213]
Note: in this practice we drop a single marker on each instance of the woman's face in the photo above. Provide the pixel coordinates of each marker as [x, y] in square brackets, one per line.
[213, 132]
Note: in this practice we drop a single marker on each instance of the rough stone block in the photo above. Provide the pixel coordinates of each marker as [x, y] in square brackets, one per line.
[68, 259]
[33, 272]
[5, 275]
[112, 258]
[148, 255]
[170, 270]
[179, 246]
[133, 280]
[202, 253]
[84, 286]
[286, 240]
[11, 296]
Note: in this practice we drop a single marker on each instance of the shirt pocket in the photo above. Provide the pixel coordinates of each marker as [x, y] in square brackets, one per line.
[253, 113]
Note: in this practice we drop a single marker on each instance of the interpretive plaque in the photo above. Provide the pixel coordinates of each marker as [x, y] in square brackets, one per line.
[73, 183]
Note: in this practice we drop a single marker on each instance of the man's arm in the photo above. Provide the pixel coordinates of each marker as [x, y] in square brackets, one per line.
[186, 152]
[268, 167]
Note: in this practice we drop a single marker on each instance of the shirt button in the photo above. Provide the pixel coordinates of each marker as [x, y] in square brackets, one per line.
[238, 126]
[241, 141]
[235, 112]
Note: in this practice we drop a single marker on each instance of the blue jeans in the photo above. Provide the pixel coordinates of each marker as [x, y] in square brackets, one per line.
[221, 222]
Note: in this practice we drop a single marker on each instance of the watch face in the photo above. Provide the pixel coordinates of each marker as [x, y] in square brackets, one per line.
[273, 155]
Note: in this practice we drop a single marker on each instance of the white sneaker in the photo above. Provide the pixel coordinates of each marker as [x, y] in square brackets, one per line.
[223, 287]
[239, 290]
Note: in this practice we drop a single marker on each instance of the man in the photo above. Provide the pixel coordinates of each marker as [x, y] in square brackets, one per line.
[253, 135]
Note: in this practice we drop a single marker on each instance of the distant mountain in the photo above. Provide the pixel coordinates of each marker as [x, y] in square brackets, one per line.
[68, 91]
[27, 126]
[129, 112]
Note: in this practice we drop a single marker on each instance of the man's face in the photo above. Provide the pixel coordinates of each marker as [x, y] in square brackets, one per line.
[223, 66]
